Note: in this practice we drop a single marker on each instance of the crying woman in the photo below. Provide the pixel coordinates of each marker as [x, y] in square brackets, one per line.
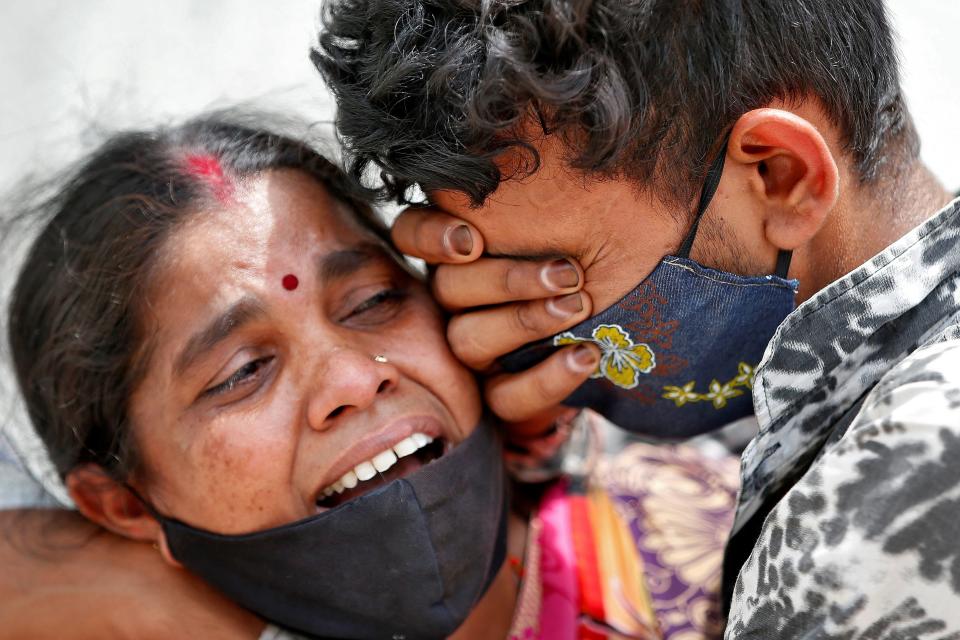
[225, 357]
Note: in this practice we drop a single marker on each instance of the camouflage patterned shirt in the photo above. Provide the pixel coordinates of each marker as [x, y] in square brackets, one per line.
[848, 522]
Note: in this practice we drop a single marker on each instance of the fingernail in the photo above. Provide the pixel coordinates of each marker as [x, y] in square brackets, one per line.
[565, 306]
[559, 274]
[582, 358]
[458, 240]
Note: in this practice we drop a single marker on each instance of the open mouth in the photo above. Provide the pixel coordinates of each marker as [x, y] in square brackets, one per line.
[401, 459]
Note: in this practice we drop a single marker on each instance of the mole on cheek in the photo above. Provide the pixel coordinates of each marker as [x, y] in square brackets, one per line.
[290, 282]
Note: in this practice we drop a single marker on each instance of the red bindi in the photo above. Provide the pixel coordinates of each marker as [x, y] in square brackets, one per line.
[290, 282]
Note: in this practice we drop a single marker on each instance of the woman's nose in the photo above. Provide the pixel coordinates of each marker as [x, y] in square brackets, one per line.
[351, 380]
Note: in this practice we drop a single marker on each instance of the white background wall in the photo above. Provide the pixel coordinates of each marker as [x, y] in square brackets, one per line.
[68, 67]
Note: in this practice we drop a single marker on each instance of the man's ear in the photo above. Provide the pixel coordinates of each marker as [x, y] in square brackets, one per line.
[792, 172]
[103, 500]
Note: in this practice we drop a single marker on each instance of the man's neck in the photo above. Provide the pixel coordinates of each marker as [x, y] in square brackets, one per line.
[866, 222]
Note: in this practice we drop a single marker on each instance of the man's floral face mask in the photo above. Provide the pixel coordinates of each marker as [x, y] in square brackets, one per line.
[678, 352]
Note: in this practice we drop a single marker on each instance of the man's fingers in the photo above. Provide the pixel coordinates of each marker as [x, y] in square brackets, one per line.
[436, 237]
[516, 397]
[480, 337]
[497, 280]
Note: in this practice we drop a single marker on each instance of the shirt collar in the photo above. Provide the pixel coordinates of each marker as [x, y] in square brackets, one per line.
[836, 346]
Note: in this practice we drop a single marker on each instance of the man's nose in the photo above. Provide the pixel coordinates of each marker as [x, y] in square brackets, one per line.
[349, 380]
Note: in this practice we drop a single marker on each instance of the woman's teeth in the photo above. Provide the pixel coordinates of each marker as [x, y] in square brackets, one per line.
[378, 463]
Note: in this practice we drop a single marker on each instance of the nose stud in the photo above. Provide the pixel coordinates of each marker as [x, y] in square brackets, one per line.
[380, 358]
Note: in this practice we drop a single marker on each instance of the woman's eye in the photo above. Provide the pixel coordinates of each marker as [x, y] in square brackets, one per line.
[244, 375]
[379, 305]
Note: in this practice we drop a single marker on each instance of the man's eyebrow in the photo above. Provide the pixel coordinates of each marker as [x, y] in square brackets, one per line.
[342, 263]
[218, 330]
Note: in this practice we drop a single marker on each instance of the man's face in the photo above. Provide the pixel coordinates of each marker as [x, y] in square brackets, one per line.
[617, 230]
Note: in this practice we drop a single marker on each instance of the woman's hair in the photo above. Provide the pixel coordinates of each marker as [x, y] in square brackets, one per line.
[76, 330]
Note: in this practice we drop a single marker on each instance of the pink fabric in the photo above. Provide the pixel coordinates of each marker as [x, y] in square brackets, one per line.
[558, 570]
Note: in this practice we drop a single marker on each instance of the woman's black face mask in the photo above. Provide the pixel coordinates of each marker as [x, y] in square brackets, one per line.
[408, 560]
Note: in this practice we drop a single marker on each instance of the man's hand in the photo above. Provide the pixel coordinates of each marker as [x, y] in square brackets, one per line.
[64, 577]
[498, 305]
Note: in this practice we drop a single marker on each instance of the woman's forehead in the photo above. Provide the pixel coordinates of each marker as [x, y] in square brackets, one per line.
[274, 214]
[288, 203]
[281, 227]
[277, 224]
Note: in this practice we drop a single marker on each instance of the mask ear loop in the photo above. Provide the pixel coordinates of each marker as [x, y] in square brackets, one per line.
[710, 184]
[783, 263]
[146, 503]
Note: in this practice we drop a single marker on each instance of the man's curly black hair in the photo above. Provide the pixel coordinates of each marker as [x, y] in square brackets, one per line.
[431, 91]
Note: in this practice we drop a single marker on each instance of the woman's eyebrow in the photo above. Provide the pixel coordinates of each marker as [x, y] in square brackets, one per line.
[345, 262]
[217, 330]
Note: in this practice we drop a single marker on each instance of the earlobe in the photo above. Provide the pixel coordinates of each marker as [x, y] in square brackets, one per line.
[103, 500]
[793, 173]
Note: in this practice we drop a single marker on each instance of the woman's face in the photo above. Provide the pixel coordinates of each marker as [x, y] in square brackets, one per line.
[264, 392]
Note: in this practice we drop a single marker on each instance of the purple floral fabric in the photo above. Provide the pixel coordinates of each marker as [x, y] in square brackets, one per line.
[679, 506]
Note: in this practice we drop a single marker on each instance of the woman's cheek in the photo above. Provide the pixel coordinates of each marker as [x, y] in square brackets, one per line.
[436, 368]
[245, 464]
[457, 387]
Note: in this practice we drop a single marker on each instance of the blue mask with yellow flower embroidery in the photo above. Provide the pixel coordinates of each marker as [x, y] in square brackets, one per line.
[679, 351]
